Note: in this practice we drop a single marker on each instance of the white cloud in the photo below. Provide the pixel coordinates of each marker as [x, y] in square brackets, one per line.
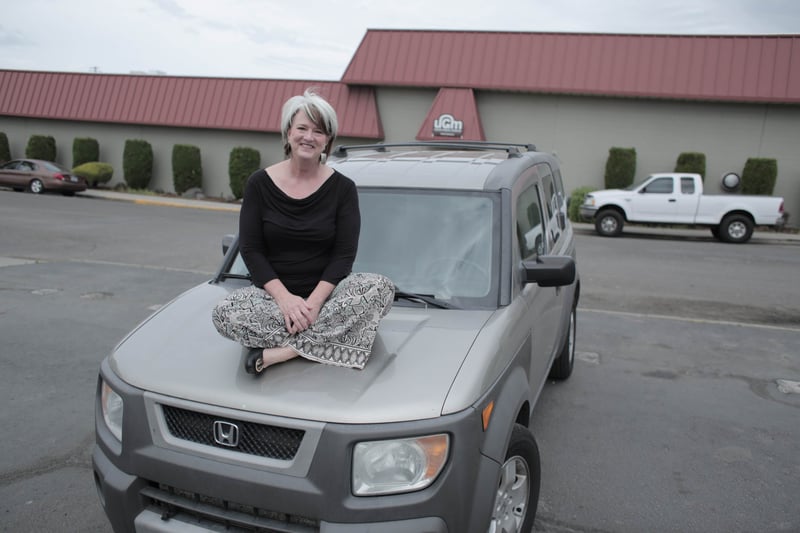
[317, 39]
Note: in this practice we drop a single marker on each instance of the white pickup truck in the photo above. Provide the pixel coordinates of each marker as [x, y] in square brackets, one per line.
[677, 198]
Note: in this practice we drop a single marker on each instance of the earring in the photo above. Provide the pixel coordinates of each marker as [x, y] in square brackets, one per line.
[322, 158]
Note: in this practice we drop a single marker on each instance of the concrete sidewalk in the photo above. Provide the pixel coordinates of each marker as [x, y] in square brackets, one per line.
[762, 236]
[170, 201]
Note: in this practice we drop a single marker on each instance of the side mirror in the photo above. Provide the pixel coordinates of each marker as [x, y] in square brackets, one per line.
[227, 242]
[550, 271]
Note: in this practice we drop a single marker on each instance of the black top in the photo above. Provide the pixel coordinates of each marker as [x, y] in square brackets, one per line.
[299, 241]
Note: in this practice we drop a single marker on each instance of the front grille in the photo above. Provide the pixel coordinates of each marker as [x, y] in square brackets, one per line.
[253, 439]
[216, 514]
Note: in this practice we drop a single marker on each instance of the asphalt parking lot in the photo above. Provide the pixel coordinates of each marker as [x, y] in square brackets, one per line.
[681, 414]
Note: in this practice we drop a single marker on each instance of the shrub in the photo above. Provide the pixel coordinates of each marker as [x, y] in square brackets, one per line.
[187, 169]
[84, 150]
[242, 163]
[693, 162]
[620, 167]
[137, 163]
[5, 151]
[41, 147]
[575, 201]
[94, 172]
[759, 176]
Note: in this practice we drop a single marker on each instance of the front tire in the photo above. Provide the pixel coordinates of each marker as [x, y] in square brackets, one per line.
[736, 229]
[562, 366]
[517, 496]
[608, 223]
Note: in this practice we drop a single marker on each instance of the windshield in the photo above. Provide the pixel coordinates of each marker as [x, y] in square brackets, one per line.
[54, 167]
[436, 243]
[439, 243]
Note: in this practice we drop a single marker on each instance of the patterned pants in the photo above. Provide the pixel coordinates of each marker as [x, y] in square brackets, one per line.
[342, 335]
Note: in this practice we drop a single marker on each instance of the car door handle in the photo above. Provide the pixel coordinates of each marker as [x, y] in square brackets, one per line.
[673, 200]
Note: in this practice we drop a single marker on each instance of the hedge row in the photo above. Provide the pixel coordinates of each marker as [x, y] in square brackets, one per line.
[137, 162]
[758, 177]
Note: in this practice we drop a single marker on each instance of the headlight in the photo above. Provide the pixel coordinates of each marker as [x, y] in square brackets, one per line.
[402, 465]
[111, 404]
[588, 200]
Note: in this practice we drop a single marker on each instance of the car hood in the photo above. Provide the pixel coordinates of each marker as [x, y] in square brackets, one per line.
[609, 192]
[417, 354]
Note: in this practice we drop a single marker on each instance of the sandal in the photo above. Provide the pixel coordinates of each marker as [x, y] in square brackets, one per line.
[254, 362]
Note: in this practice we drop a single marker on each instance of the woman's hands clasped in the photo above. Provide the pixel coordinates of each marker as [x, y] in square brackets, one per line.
[298, 313]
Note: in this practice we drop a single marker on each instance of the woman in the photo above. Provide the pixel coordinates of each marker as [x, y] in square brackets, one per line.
[298, 235]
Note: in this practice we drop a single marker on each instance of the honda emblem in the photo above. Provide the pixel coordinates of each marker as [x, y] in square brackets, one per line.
[226, 434]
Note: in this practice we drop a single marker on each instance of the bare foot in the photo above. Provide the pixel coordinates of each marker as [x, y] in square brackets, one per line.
[272, 356]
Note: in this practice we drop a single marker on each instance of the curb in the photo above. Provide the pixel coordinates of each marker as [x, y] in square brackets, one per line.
[159, 200]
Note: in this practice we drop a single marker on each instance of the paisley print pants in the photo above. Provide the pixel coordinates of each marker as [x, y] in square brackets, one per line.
[342, 335]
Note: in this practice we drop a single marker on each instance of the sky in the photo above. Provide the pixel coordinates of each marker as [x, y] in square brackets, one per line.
[315, 39]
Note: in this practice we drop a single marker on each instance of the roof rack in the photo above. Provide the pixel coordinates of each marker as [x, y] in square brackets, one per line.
[513, 149]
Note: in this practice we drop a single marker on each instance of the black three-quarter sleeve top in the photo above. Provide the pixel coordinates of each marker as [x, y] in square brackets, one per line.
[299, 241]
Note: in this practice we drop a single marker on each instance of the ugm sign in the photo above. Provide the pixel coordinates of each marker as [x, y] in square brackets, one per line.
[447, 126]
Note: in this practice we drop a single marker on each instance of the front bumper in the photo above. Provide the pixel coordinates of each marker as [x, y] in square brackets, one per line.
[587, 211]
[193, 487]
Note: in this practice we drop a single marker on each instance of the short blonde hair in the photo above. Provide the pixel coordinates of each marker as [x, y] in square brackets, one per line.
[318, 110]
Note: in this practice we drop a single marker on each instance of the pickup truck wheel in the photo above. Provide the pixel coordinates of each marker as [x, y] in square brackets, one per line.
[517, 494]
[736, 228]
[562, 366]
[608, 223]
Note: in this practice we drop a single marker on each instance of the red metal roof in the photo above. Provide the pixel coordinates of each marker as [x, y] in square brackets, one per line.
[453, 115]
[217, 103]
[717, 68]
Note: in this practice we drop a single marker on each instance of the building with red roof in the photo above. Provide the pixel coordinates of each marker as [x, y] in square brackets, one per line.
[576, 95]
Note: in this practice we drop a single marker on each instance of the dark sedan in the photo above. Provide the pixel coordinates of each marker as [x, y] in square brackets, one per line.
[38, 176]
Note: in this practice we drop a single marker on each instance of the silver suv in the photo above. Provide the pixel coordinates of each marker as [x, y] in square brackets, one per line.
[432, 436]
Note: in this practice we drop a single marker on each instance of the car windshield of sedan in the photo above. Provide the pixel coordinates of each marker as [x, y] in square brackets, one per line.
[440, 244]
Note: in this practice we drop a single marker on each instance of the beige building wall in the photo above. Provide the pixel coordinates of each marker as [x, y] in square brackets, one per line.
[581, 130]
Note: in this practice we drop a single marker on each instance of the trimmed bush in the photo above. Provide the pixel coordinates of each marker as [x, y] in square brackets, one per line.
[759, 176]
[692, 162]
[5, 151]
[41, 147]
[620, 167]
[242, 163]
[84, 150]
[94, 172]
[187, 169]
[137, 163]
[575, 201]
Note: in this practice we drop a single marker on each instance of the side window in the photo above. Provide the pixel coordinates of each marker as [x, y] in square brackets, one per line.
[687, 185]
[562, 202]
[530, 230]
[551, 200]
[659, 186]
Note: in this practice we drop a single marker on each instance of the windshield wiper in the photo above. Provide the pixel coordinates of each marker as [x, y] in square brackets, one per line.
[228, 275]
[428, 299]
